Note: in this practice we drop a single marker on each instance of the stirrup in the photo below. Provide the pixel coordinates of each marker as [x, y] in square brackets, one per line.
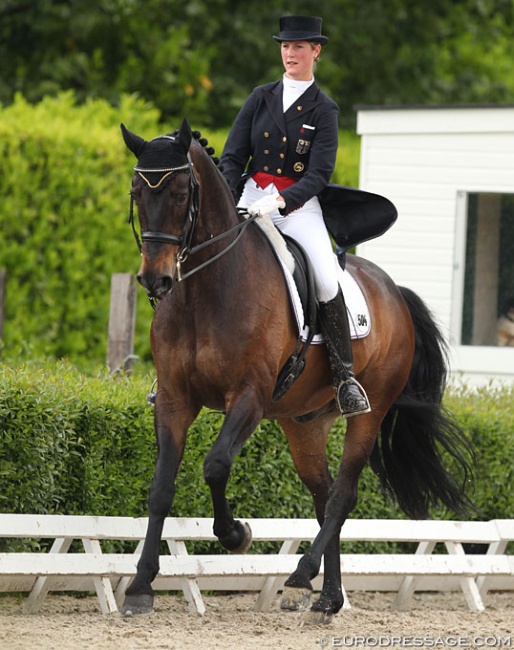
[351, 398]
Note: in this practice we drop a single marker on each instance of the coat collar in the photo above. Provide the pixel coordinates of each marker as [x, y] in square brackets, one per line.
[304, 104]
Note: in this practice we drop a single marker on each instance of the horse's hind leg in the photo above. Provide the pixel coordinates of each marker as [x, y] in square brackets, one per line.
[171, 427]
[359, 441]
[308, 449]
[241, 419]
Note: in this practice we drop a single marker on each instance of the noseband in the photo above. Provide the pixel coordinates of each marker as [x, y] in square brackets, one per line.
[184, 242]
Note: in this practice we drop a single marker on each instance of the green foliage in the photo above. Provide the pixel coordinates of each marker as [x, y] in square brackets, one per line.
[201, 58]
[487, 414]
[77, 444]
[64, 179]
[66, 442]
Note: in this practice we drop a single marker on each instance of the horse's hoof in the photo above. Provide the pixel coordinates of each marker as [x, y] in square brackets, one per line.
[314, 617]
[246, 543]
[295, 599]
[134, 605]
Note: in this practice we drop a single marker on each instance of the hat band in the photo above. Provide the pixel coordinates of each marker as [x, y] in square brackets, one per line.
[301, 36]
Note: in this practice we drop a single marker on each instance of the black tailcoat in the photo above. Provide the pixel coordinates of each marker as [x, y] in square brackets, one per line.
[302, 144]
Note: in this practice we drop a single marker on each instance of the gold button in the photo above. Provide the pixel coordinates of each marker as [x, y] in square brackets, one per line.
[279, 171]
[299, 108]
[266, 168]
[266, 151]
[282, 155]
[266, 134]
[284, 139]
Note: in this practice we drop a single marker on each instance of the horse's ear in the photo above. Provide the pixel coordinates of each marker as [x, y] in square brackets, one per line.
[185, 135]
[134, 142]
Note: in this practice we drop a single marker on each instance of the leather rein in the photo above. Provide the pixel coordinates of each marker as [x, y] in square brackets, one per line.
[184, 242]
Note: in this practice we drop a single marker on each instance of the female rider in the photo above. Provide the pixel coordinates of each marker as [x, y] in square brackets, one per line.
[285, 138]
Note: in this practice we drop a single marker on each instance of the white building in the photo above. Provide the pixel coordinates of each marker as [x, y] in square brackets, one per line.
[450, 173]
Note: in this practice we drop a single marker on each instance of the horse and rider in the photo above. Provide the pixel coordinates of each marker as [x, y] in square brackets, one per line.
[223, 326]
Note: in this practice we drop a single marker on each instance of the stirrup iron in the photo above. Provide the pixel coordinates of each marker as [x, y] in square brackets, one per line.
[351, 398]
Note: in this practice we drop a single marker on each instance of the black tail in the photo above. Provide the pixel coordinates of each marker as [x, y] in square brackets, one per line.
[418, 432]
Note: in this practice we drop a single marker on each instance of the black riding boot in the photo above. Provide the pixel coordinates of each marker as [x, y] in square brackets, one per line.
[350, 396]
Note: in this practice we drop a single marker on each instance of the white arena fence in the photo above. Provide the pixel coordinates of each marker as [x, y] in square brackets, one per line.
[109, 574]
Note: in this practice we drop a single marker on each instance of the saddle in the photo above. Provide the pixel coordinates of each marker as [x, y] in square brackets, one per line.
[304, 279]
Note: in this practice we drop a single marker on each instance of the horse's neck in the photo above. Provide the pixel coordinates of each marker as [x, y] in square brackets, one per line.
[218, 214]
[249, 262]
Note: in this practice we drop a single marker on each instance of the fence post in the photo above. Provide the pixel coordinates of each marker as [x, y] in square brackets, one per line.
[3, 277]
[122, 322]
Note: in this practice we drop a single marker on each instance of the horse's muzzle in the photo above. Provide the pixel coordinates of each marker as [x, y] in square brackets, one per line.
[156, 286]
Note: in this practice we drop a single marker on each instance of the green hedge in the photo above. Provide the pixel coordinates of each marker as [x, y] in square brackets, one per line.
[487, 415]
[64, 180]
[74, 444]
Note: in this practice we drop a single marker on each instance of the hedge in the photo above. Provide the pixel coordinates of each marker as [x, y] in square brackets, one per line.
[77, 444]
[64, 180]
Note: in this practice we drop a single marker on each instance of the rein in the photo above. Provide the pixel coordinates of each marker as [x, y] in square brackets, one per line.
[185, 241]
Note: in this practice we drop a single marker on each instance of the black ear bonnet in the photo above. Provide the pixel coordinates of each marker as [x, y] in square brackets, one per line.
[160, 159]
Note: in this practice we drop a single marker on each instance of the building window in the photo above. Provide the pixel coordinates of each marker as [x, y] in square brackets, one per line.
[489, 271]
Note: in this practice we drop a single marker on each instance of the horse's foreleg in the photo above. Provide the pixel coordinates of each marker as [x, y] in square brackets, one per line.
[171, 438]
[343, 498]
[239, 423]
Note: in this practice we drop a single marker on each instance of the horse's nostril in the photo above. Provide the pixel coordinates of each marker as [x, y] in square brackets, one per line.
[156, 286]
[167, 284]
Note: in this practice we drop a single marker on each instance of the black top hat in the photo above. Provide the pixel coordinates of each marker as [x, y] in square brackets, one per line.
[301, 28]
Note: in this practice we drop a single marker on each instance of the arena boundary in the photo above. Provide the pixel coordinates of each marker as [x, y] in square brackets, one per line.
[108, 574]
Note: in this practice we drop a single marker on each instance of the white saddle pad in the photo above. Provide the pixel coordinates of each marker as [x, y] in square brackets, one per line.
[356, 306]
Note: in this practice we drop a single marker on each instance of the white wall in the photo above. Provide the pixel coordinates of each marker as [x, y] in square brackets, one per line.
[425, 161]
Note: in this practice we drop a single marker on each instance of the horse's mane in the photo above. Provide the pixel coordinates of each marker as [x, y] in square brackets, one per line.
[210, 151]
[265, 223]
[205, 144]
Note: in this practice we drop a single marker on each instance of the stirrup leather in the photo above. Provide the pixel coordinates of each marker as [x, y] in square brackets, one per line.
[351, 398]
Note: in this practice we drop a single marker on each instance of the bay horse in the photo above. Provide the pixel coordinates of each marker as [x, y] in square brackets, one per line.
[222, 331]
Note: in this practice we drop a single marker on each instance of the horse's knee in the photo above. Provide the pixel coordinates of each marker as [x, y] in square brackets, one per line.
[216, 469]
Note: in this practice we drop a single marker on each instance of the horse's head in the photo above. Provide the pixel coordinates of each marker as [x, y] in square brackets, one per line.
[164, 189]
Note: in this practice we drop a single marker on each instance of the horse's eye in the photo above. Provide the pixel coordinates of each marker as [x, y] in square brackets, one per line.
[181, 199]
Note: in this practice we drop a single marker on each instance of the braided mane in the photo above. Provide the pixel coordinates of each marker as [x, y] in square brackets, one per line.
[205, 144]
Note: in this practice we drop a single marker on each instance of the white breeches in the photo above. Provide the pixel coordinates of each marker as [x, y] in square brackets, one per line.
[307, 227]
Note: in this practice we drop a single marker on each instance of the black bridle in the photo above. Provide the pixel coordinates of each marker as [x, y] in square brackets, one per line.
[184, 242]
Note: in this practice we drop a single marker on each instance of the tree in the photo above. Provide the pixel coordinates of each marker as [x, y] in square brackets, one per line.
[200, 59]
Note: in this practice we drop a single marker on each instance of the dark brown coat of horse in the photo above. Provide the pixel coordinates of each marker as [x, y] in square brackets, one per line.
[222, 331]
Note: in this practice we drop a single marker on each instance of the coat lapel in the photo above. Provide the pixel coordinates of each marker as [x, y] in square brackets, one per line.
[273, 98]
[304, 104]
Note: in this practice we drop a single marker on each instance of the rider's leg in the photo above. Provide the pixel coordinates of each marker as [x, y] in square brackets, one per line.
[307, 227]
[350, 396]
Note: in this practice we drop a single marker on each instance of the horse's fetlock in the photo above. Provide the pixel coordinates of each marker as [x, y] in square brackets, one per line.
[298, 580]
[238, 540]
[328, 604]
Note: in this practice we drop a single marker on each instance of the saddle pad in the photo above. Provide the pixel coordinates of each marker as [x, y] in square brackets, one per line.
[356, 306]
